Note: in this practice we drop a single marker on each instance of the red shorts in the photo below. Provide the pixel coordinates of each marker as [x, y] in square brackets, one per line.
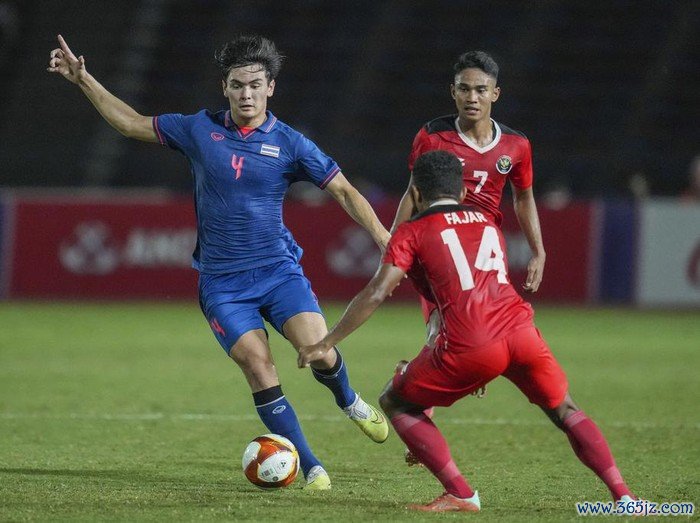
[438, 377]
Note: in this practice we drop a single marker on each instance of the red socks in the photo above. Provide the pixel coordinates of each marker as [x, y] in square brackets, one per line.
[427, 444]
[591, 448]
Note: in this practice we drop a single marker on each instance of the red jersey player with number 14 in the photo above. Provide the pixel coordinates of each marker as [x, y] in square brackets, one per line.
[487, 331]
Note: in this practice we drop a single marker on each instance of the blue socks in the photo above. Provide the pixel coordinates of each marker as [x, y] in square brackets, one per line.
[279, 417]
[336, 379]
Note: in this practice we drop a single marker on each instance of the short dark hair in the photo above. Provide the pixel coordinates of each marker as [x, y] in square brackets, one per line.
[438, 174]
[248, 49]
[479, 60]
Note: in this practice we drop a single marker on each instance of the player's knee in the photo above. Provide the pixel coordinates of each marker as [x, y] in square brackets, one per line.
[386, 401]
[253, 363]
[562, 411]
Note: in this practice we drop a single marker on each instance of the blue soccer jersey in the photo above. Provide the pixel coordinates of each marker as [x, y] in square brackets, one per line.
[239, 184]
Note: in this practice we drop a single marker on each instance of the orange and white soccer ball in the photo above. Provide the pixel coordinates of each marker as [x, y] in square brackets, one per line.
[271, 461]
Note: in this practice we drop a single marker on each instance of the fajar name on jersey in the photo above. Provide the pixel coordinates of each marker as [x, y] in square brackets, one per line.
[463, 217]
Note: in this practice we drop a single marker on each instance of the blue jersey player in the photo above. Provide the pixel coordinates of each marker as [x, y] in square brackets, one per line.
[243, 160]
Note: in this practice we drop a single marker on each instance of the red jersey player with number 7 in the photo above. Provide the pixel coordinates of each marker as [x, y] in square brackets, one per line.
[486, 331]
[490, 154]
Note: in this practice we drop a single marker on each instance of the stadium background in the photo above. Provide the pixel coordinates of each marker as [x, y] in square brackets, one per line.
[119, 409]
[608, 93]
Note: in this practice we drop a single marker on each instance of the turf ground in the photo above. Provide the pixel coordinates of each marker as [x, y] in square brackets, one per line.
[132, 412]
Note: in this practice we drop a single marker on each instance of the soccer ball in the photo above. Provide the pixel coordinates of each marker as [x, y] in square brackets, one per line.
[271, 461]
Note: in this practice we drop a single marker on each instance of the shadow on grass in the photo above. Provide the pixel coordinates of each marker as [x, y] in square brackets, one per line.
[128, 475]
[67, 472]
[133, 476]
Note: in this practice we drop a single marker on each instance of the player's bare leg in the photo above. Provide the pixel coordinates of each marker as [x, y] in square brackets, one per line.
[252, 354]
[427, 443]
[308, 328]
[590, 446]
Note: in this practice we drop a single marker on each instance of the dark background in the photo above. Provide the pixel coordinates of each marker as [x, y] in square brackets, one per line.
[604, 90]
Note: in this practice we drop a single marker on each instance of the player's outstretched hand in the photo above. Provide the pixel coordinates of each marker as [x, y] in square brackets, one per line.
[535, 269]
[311, 353]
[65, 63]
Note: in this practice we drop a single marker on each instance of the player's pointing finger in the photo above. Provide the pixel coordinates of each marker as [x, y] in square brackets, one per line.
[64, 46]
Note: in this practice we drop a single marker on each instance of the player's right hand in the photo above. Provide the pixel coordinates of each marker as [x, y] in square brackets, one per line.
[535, 269]
[311, 353]
[65, 63]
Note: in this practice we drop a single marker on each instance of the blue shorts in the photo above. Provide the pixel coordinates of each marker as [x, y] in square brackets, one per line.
[237, 302]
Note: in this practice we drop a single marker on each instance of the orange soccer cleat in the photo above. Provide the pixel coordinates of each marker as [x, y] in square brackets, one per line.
[449, 503]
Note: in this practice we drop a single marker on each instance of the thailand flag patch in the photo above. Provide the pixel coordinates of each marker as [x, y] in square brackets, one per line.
[270, 150]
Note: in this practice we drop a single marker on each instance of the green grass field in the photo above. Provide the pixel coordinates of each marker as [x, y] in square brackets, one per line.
[132, 412]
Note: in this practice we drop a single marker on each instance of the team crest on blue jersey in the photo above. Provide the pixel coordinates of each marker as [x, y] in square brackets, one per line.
[270, 150]
[504, 164]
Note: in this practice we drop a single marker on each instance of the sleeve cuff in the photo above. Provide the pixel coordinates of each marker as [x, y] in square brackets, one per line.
[330, 176]
[156, 128]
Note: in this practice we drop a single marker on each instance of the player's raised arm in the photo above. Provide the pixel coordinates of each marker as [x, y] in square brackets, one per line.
[117, 113]
[358, 208]
[406, 208]
[526, 211]
[359, 310]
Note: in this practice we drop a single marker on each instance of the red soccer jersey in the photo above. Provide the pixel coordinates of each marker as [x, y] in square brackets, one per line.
[485, 169]
[458, 253]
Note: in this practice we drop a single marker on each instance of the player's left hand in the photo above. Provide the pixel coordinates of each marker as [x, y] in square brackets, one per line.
[311, 353]
[64, 62]
[535, 269]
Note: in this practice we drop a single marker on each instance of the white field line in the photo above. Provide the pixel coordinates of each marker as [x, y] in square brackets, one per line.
[157, 416]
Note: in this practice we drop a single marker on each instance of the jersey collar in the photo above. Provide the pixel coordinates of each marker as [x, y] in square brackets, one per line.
[444, 201]
[444, 207]
[265, 127]
[470, 143]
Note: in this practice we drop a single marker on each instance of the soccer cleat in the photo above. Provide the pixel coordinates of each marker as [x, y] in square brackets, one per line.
[369, 419]
[449, 503]
[317, 479]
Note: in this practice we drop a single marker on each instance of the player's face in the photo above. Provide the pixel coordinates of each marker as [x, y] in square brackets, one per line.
[474, 91]
[247, 90]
